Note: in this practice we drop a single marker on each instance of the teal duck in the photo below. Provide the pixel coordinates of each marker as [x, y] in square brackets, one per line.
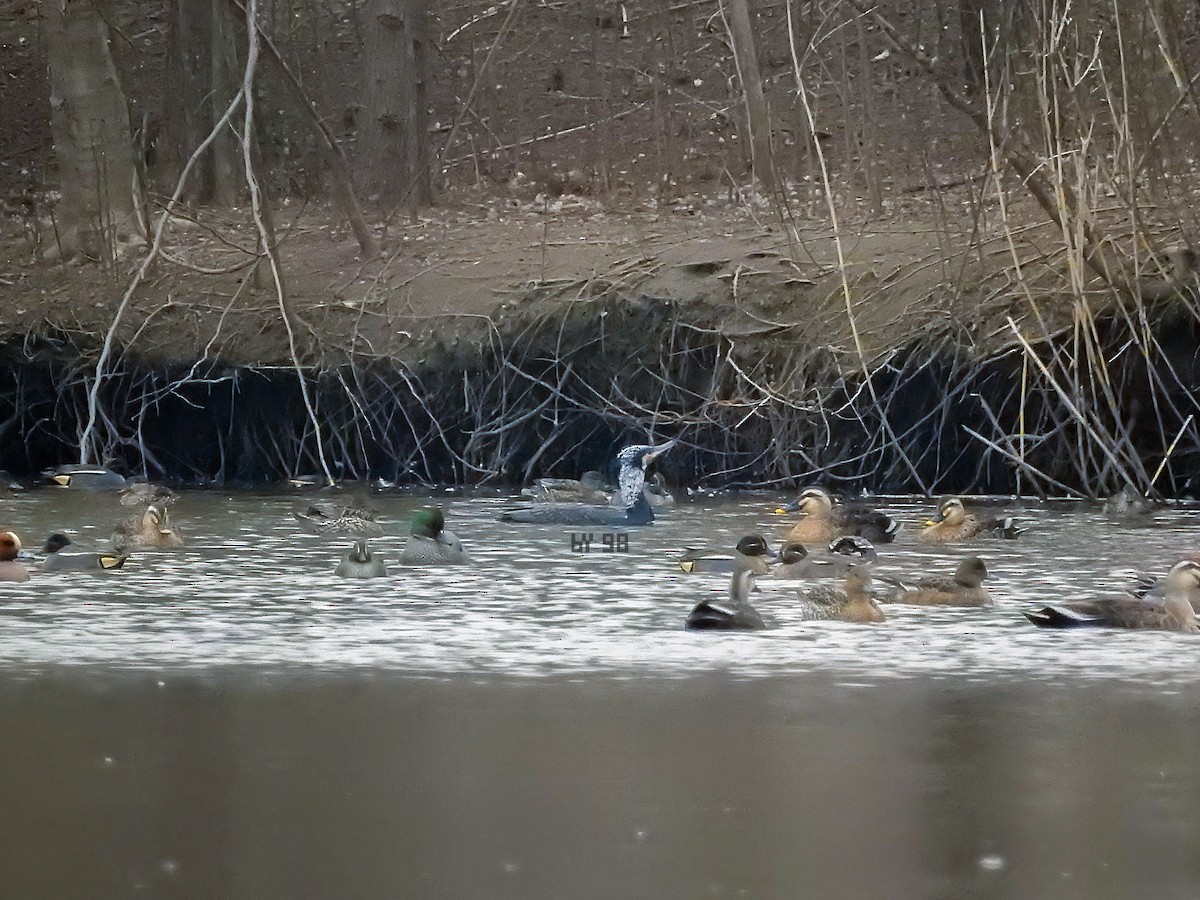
[87, 478]
[590, 487]
[953, 523]
[963, 588]
[359, 562]
[1167, 607]
[632, 509]
[333, 519]
[821, 521]
[831, 562]
[697, 562]
[150, 530]
[143, 493]
[64, 556]
[429, 544]
[737, 614]
[1130, 503]
[10, 568]
[853, 602]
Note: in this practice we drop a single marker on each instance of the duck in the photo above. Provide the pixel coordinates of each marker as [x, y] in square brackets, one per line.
[658, 495]
[149, 530]
[327, 518]
[1166, 608]
[1144, 584]
[1130, 503]
[953, 523]
[143, 493]
[796, 562]
[590, 487]
[963, 588]
[359, 562]
[736, 615]
[632, 509]
[695, 562]
[64, 556]
[10, 568]
[429, 544]
[84, 477]
[852, 602]
[821, 521]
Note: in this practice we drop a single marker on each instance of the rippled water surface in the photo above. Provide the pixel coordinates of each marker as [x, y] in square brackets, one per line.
[232, 720]
[250, 589]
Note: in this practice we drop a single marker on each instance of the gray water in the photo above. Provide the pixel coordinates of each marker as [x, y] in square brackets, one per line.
[232, 720]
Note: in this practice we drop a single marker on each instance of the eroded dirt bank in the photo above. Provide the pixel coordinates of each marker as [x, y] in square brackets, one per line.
[498, 348]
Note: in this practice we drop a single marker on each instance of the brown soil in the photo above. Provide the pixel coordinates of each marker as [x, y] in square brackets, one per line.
[643, 207]
[490, 263]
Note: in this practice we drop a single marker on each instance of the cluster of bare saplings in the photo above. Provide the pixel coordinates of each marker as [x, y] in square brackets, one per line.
[1073, 216]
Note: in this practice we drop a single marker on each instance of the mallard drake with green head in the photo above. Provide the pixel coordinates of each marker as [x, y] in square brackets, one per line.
[64, 556]
[821, 521]
[10, 568]
[963, 588]
[86, 478]
[852, 602]
[737, 614]
[429, 544]
[150, 530]
[1166, 608]
[953, 523]
[359, 562]
[632, 509]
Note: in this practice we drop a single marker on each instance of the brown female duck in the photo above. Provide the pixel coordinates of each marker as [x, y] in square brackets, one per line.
[150, 530]
[963, 588]
[853, 602]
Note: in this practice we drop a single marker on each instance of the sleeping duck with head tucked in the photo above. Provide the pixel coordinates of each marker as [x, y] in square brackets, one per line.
[360, 562]
[429, 544]
[632, 507]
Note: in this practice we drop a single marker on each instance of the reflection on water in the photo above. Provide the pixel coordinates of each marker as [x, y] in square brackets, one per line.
[234, 721]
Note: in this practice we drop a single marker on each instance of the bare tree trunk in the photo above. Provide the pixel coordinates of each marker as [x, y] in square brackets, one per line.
[392, 156]
[741, 30]
[201, 78]
[339, 170]
[187, 96]
[93, 146]
[221, 85]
